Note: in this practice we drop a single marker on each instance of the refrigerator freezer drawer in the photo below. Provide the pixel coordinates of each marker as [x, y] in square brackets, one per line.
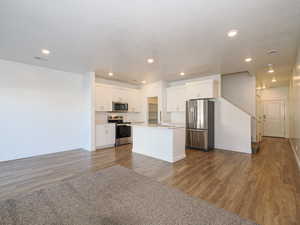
[197, 139]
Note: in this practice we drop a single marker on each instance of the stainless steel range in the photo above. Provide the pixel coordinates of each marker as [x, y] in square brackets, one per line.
[123, 130]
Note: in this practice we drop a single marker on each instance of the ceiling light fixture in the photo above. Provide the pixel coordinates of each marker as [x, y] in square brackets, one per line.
[258, 88]
[143, 82]
[248, 59]
[264, 86]
[45, 51]
[110, 74]
[296, 78]
[232, 33]
[274, 80]
[182, 74]
[150, 60]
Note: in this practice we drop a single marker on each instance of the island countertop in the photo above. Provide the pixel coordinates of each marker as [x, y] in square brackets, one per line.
[166, 126]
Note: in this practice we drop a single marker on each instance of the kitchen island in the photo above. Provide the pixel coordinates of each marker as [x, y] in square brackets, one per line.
[165, 142]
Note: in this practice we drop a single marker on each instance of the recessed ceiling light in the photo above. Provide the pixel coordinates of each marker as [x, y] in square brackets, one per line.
[45, 51]
[150, 60]
[182, 74]
[248, 59]
[143, 82]
[264, 86]
[232, 33]
[270, 71]
[110, 74]
[274, 80]
[296, 78]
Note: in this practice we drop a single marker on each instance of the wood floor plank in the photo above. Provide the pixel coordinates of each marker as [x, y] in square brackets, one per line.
[264, 187]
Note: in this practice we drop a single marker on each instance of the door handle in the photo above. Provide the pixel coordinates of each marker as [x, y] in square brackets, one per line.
[160, 116]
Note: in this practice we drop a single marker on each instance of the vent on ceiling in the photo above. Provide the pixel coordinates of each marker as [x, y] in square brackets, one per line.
[40, 58]
[272, 52]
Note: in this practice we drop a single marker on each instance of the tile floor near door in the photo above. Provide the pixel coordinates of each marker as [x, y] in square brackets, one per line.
[264, 187]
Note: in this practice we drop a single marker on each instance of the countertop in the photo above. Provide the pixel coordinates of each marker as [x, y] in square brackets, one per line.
[166, 126]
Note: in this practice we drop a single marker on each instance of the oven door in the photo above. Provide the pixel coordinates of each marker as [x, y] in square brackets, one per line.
[123, 131]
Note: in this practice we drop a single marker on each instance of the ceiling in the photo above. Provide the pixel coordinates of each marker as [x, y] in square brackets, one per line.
[119, 36]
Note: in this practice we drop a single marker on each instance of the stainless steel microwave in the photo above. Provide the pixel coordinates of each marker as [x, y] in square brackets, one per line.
[119, 106]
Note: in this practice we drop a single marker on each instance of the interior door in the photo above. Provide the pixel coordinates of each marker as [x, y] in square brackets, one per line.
[274, 118]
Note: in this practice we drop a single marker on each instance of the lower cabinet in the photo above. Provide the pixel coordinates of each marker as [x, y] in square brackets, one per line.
[105, 135]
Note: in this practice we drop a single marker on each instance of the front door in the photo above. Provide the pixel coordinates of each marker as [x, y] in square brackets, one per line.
[274, 118]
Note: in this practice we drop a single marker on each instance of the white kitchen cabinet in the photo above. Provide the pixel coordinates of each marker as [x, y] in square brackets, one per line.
[119, 94]
[176, 97]
[103, 98]
[202, 89]
[134, 101]
[105, 135]
[106, 94]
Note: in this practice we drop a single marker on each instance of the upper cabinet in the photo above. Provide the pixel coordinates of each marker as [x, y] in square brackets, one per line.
[103, 98]
[120, 94]
[202, 89]
[176, 97]
[134, 101]
[107, 94]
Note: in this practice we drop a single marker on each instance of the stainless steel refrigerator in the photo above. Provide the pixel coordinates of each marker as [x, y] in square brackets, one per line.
[200, 124]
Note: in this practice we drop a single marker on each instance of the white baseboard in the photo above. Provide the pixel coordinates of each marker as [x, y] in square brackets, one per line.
[179, 157]
[232, 149]
[294, 150]
[105, 146]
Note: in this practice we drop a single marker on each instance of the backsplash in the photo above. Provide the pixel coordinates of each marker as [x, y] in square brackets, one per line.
[177, 117]
[101, 117]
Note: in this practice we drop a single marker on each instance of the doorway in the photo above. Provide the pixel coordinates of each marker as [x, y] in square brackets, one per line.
[274, 118]
[152, 110]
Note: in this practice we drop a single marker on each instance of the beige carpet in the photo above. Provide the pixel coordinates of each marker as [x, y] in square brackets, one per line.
[113, 196]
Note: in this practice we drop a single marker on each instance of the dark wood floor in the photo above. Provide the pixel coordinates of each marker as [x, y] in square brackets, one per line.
[264, 187]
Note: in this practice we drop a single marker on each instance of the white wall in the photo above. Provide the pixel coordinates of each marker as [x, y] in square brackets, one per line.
[275, 93]
[216, 77]
[240, 90]
[89, 126]
[42, 111]
[295, 108]
[116, 83]
[232, 127]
